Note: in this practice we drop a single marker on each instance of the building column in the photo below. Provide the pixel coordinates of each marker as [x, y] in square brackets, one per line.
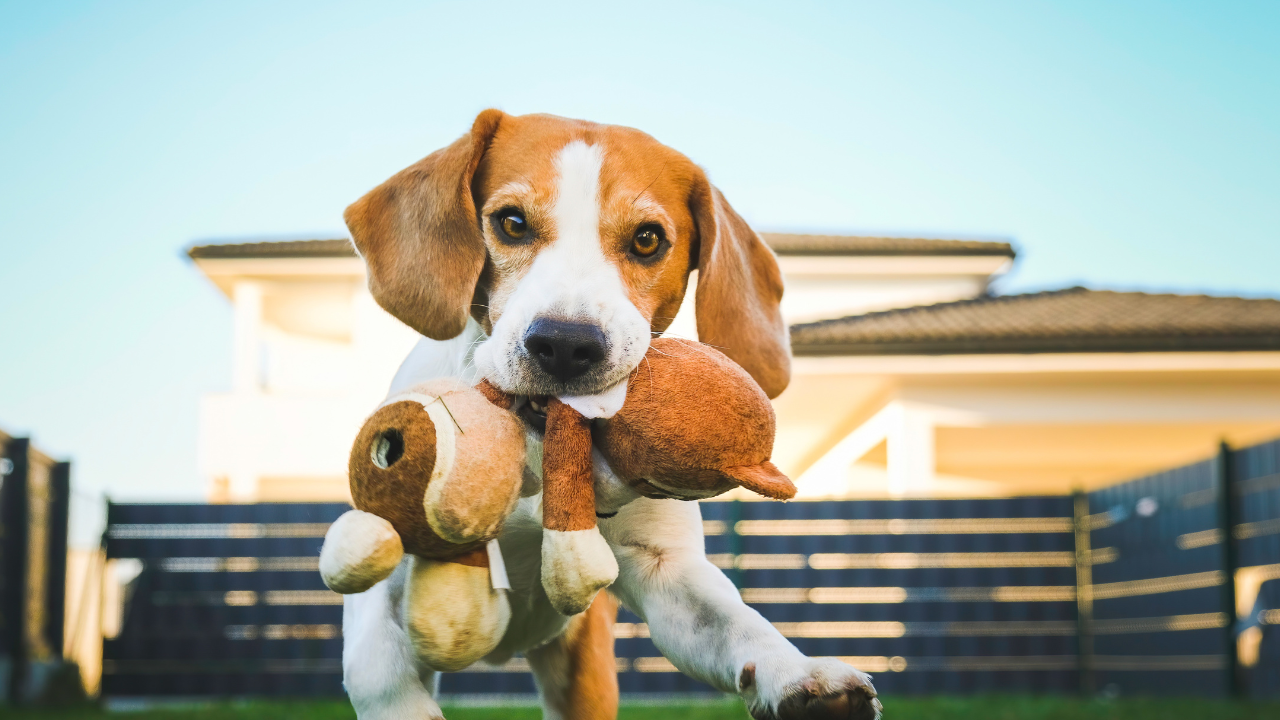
[247, 346]
[910, 449]
[247, 375]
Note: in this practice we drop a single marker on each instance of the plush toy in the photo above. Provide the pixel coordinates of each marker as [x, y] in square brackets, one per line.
[434, 472]
[694, 425]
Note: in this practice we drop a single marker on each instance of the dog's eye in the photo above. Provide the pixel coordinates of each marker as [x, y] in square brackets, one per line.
[648, 240]
[511, 225]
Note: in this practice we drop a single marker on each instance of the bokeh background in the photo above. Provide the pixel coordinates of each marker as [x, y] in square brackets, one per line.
[1116, 146]
[1132, 145]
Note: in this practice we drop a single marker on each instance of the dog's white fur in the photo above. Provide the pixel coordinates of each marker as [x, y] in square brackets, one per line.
[695, 616]
[570, 280]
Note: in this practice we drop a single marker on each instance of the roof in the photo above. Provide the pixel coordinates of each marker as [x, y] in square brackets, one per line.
[789, 244]
[783, 244]
[1071, 320]
[274, 249]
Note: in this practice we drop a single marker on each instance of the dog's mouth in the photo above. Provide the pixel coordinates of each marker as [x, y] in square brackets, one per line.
[649, 489]
[533, 410]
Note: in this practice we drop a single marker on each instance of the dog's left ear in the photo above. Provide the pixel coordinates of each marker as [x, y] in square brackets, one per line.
[419, 235]
[739, 289]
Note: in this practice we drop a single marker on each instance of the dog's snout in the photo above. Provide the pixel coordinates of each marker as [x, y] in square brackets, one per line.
[565, 350]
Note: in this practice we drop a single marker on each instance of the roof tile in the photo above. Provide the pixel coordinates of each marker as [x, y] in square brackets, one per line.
[274, 249]
[783, 244]
[1071, 320]
[792, 244]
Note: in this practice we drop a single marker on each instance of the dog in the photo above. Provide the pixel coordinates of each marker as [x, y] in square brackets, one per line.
[544, 253]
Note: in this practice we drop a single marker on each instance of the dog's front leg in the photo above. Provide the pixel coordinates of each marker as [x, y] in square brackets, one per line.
[382, 677]
[698, 620]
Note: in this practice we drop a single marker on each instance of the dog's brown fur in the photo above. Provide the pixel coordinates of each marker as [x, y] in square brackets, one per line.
[433, 259]
[584, 654]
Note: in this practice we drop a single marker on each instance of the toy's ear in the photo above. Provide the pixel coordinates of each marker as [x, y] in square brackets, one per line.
[763, 479]
[419, 235]
[739, 289]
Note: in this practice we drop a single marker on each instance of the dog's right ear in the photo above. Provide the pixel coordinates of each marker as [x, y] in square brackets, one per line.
[420, 238]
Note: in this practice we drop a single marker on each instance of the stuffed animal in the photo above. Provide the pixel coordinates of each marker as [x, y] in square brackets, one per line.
[694, 425]
[434, 472]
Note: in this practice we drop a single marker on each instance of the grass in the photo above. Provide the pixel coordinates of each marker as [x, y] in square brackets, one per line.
[936, 708]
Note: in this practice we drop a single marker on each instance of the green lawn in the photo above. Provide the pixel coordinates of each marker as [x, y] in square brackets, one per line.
[982, 708]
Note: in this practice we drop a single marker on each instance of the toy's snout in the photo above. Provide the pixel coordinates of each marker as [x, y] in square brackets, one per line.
[458, 525]
[442, 506]
[478, 469]
[442, 464]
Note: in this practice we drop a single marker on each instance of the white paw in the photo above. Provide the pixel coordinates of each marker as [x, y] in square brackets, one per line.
[813, 689]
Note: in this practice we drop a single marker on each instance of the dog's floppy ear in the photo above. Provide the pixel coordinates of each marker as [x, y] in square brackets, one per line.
[419, 235]
[739, 289]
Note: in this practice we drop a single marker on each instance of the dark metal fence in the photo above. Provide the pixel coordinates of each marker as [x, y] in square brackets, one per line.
[1192, 602]
[1159, 615]
[1121, 589]
[34, 504]
[1256, 539]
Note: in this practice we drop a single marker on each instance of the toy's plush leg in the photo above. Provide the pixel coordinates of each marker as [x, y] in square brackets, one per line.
[453, 613]
[360, 550]
[576, 561]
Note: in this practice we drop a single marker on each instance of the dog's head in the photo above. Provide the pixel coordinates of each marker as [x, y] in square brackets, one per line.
[571, 243]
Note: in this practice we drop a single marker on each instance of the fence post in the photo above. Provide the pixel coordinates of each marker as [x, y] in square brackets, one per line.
[1084, 594]
[1228, 518]
[59, 524]
[733, 541]
[14, 519]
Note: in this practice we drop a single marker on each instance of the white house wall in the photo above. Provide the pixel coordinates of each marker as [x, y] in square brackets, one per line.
[1024, 432]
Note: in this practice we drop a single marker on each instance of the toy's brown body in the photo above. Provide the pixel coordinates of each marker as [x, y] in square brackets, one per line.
[694, 425]
[438, 470]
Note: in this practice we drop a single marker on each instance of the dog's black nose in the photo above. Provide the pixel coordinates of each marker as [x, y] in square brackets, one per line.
[565, 350]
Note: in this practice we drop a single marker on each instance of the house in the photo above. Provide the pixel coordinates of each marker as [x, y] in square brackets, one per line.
[910, 379]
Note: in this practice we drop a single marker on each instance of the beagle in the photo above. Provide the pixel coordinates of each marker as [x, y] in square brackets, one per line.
[543, 254]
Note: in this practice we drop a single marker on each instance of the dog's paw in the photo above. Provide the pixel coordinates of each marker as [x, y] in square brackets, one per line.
[818, 689]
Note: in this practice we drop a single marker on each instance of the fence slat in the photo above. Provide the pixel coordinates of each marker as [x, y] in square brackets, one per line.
[960, 596]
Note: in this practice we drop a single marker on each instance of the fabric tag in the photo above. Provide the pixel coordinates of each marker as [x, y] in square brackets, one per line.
[497, 570]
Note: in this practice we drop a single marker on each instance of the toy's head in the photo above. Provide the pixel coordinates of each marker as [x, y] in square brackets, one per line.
[442, 464]
[694, 426]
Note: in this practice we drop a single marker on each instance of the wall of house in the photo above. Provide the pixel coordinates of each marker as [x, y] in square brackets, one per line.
[312, 358]
[313, 355]
[989, 429]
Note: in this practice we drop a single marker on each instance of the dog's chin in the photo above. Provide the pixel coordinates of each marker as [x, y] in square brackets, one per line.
[534, 394]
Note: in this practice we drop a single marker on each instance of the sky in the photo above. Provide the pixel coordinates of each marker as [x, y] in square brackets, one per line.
[1131, 145]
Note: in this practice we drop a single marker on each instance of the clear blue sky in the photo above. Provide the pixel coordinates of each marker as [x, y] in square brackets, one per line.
[1121, 144]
